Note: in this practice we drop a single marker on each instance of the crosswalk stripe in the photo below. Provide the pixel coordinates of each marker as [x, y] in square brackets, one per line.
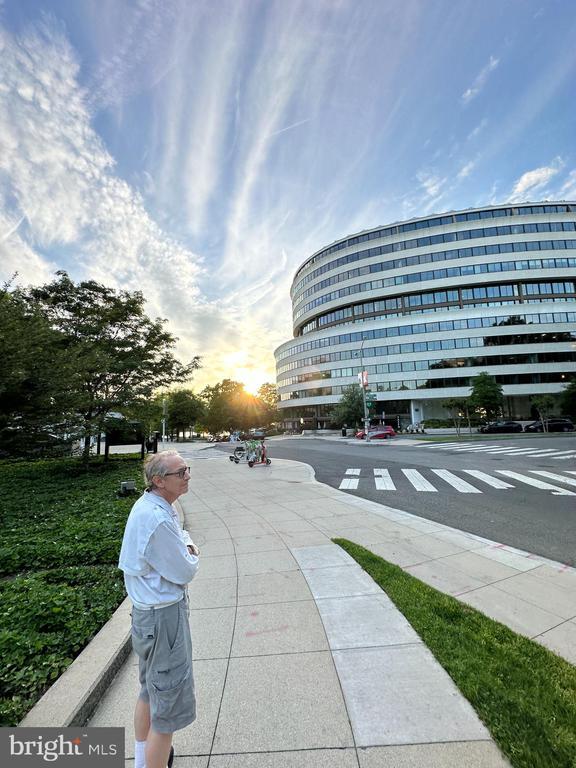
[419, 481]
[476, 449]
[349, 483]
[439, 445]
[571, 471]
[563, 458]
[554, 476]
[532, 451]
[352, 472]
[556, 491]
[470, 447]
[493, 481]
[384, 482]
[455, 481]
[567, 453]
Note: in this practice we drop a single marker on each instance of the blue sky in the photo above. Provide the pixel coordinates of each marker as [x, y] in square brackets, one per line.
[200, 150]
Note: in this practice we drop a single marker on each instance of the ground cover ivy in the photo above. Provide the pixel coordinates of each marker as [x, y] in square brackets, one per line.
[62, 525]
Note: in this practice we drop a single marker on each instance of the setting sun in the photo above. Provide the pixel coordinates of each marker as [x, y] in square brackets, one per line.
[252, 379]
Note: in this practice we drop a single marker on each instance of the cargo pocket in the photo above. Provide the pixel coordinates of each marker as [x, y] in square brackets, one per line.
[143, 638]
[174, 696]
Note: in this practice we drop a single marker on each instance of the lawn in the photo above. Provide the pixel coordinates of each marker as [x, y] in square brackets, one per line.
[62, 525]
[524, 694]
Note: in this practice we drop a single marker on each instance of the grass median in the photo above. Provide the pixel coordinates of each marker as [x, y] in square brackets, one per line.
[524, 694]
[62, 526]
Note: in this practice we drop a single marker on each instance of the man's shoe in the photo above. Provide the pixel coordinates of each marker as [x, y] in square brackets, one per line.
[171, 757]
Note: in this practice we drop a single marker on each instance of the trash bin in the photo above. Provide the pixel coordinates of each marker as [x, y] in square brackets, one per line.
[343, 431]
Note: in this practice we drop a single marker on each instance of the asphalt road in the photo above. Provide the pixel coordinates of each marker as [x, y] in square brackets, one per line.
[454, 484]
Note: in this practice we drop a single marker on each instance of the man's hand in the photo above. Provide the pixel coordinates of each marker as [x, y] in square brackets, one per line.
[193, 549]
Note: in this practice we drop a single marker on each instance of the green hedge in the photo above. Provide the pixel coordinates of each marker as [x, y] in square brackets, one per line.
[62, 526]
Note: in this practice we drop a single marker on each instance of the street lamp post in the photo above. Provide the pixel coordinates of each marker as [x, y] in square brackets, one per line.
[366, 417]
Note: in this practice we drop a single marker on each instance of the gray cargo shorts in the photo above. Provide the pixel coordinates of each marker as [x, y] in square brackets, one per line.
[161, 638]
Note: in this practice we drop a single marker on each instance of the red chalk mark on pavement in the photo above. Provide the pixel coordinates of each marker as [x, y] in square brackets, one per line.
[282, 628]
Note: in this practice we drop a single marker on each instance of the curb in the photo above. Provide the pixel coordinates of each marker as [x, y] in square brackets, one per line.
[76, 694]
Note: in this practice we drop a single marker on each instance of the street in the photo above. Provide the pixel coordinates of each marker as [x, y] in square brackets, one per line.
[517, 491]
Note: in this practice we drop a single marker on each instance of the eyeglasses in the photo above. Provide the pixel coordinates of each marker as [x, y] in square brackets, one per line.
[181, 473]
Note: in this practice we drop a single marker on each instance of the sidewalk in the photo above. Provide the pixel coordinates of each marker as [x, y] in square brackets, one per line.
[301, 661]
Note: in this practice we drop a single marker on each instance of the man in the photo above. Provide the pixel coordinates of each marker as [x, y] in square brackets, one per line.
[159, 559]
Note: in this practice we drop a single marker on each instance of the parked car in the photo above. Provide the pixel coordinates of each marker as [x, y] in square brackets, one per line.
[377, 433]
[500, 426]
[553, 425]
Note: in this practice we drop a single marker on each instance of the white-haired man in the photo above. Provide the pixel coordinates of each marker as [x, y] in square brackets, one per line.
[159, 559]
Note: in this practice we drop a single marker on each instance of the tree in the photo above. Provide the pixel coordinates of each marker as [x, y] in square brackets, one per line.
[268, 396]
[350, 407]
[35, 397]
[118, 355]
[229, 407]
[486, 396]
[543, 405]
[459, 408]
[568, 399]
[149, 412]
[184, 410]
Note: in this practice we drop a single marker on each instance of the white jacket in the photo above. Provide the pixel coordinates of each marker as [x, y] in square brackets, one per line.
[154, 555]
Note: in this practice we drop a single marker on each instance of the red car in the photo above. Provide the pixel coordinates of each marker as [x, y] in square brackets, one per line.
[377, 433]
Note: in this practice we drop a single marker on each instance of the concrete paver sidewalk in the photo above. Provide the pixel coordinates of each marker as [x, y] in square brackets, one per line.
[300, 658]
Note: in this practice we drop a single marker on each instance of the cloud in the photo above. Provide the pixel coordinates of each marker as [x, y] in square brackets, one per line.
[568, 189]
[431, 182]
[480, 81]
[478, 129]
[466, 169]
[534, 181]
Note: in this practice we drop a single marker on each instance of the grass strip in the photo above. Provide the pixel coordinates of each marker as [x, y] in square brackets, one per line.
[522, 692]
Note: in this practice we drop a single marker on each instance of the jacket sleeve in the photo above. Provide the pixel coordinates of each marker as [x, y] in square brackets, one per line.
[167, 553]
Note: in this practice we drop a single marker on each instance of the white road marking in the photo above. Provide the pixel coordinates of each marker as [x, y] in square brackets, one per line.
[348, 483]
[493, 481]
[478, 448]
[533, 452]
[384, 482]
[556, 491]
[418, 481]
[439, 445]
[352, 472]
[455, 481]
[565, 454]
[554, 476]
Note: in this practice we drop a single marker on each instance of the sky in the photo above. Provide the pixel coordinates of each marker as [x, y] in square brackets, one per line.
[200, 150]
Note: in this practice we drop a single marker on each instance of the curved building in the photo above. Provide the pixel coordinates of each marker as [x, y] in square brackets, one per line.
[425, 305]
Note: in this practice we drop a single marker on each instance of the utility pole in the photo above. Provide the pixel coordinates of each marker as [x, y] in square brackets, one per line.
[164, 411]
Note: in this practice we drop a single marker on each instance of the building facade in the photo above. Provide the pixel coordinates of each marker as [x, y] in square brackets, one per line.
[425, 305]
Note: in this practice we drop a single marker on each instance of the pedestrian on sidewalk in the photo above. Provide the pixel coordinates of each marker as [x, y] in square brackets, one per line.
[159, 559]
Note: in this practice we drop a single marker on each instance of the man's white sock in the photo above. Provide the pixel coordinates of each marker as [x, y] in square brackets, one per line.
[139, 754]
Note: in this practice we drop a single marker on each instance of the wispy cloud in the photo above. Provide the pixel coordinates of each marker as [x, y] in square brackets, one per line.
[480, 80]
[478, 129]
[535, 181]
[431, 182]
[466, 170]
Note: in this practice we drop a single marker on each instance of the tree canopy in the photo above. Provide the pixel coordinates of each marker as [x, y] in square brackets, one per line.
[486, 396]
[96, 346]
[350, 408]
[568, 399]
[229, 407]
